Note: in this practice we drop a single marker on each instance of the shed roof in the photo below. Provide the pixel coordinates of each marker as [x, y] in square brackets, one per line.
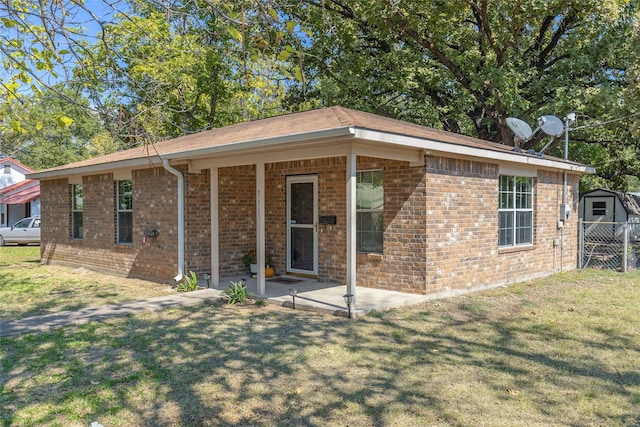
[290, 129]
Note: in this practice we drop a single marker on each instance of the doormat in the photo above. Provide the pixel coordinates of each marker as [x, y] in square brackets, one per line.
[285, 280]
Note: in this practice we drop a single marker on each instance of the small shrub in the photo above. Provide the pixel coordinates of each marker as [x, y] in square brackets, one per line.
[262, 302]
[237, 293]
[189, 283]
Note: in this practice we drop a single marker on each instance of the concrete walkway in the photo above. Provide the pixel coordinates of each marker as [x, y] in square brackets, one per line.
[311, 295]
[85, 315]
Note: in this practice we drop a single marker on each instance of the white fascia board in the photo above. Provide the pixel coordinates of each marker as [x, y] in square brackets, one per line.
[216, 150]
[261, 144]
[329, 148]
[481, 153]
[98, 169]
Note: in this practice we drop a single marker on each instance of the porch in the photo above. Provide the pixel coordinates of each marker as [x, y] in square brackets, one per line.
[324, 297]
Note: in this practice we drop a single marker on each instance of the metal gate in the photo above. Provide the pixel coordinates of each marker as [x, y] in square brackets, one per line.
[608, 245]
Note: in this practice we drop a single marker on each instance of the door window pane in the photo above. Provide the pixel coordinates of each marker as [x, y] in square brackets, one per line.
[302, 249]
[302, 203]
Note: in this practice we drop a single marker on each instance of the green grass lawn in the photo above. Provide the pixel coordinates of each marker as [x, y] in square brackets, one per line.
[28, 288]
[559, 351]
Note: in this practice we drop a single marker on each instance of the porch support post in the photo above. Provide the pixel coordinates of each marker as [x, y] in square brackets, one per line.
[260, 227]
[215, 230]
[351, 226]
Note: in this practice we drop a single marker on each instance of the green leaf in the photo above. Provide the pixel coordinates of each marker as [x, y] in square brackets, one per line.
[234, 33]
[284, 55]
[298, 73]
[8, 23]
[64, 121]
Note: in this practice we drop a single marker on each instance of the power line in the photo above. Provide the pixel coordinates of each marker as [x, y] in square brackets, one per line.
[606, 122]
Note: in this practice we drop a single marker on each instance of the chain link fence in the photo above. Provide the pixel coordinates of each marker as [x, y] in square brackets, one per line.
[609, 245]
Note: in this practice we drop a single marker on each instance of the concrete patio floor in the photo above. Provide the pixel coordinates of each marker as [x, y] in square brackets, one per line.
[313, 295]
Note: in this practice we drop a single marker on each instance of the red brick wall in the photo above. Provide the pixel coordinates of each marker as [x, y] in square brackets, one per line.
[402, 265]
[154, 207]
[197, 222]
[462, 228]
[441, 224]
[55, 212]
[237, 217]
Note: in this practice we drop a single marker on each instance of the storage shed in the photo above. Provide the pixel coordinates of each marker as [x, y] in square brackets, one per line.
[608, 211]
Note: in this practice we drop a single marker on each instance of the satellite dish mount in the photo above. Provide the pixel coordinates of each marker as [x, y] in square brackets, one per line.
[550, 125]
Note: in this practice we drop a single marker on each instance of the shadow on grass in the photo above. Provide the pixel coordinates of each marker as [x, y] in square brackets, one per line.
[214, 365]
[27, 297]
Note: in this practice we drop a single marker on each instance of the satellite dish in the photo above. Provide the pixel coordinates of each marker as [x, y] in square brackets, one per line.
[551, 125]
[519, 128]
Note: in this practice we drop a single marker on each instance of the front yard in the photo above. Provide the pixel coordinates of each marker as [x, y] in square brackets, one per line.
[30, 289]
[559, 351]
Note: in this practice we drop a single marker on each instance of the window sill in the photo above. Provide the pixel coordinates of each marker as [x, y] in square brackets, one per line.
[512, 249]
[371, 256]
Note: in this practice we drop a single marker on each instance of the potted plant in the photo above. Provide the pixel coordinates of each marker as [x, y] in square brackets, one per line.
[250, 259]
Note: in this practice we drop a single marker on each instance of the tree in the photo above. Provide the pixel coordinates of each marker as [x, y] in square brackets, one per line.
[153, 69]
[53, 131]
[466, 66]
[157, 68]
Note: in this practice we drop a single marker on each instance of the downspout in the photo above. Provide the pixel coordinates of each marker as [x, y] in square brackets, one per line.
[180, 177]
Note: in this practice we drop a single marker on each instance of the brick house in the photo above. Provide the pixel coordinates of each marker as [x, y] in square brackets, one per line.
[341, 195]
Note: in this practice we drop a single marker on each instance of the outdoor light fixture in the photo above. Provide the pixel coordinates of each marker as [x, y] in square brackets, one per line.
[293, 292]
[348, 299]
[207, 277]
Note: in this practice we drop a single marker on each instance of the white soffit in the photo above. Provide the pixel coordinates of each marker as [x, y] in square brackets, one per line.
[463, 150]
[511, 169]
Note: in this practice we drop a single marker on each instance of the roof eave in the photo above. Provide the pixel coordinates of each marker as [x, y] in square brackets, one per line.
[200, 152]
[343, 131]
[465, 150]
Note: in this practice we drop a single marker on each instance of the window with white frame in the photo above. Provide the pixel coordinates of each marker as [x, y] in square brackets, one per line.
[370, 211]
[124, 200]
[7, 168]
[515, 211]
[77, 210]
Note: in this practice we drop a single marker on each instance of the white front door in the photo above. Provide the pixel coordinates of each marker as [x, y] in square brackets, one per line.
[302, 224]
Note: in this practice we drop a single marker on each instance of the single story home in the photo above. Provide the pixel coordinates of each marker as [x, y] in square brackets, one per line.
[19, 197]
[344, 196]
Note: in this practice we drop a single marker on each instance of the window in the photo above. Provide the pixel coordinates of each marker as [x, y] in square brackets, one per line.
[599, 208]
[515, 211]
[125, 211]
[24, 223]
[7, 168]
[369, 211]
[77, 208]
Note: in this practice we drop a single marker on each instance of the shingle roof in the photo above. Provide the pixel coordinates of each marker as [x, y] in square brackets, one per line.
[324, 119]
